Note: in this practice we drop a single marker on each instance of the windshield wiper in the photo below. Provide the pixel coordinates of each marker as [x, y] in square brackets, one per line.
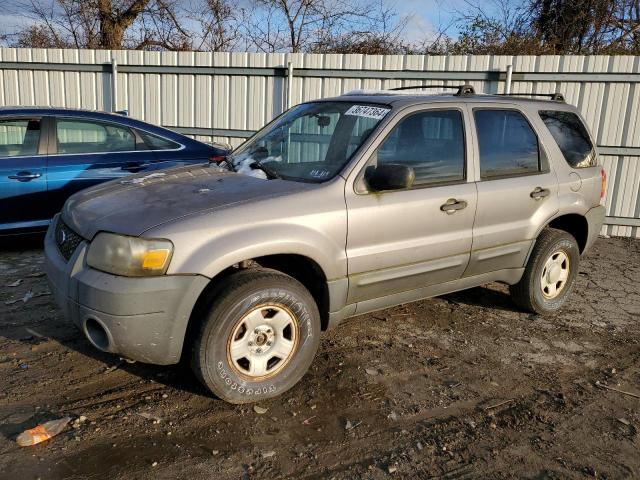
[271, 174]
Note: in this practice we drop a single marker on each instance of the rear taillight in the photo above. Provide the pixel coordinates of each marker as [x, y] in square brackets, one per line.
[217, 158]
[603, 183]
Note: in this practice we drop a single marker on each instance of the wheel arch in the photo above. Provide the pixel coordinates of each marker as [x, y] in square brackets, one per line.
[308, 272]
[304, 269]
[575, 225]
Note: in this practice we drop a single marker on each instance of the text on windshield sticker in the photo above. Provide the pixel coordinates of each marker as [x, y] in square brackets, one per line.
[367, 111]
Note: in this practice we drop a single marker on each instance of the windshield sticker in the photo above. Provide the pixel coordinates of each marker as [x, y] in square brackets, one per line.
[320, 173]
[367, 111]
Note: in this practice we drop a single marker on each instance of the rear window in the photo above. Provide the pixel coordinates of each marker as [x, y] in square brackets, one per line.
[571, 136]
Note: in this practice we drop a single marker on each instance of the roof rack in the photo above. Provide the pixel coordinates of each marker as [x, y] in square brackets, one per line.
[465, 89]
[556, 97]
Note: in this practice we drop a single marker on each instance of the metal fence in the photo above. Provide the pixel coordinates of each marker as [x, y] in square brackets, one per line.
[227, 96]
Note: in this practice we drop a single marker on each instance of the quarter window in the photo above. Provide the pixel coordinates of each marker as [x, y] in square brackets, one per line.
[158, 143]
[19, 138]
[432, 143]
[508, 144]
[81, 136]
[571, 136]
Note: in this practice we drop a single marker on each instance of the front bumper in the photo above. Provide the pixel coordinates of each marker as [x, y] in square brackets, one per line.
[142, 319]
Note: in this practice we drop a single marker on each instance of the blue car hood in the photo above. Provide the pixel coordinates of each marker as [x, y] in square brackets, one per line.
[133, 205]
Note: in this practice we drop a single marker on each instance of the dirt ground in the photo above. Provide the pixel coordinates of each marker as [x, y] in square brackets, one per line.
[462, 386]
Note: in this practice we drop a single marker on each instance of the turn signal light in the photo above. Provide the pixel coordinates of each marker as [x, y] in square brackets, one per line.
[155, 259]
[603, 183]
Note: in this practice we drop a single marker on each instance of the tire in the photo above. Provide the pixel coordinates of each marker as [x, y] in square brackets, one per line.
[268, 317]
[535, 291]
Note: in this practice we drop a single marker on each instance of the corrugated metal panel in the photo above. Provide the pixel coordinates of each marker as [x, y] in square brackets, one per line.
[249, 89]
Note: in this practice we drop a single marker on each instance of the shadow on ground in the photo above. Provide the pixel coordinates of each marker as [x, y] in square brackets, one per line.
[487, 297]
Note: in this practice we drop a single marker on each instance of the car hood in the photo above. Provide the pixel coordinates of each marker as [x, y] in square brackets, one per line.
[135, 204]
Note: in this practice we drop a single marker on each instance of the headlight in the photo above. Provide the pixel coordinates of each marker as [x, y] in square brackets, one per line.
[129, 256]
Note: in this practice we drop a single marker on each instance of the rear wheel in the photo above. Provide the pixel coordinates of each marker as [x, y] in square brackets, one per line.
[550, 273]
[258, 337]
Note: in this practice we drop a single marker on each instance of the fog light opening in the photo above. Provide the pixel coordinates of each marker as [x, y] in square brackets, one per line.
[96, 334]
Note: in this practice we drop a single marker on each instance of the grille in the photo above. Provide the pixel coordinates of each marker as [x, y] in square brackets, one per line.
[66, 239]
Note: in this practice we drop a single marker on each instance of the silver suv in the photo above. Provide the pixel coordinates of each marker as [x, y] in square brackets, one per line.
[336, 208]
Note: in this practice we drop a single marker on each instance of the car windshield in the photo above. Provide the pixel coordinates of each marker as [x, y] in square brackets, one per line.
[311, 142]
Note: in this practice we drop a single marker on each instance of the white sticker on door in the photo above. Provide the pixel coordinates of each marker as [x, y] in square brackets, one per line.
[367, 111]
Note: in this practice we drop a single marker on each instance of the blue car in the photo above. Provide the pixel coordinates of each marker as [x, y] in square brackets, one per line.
[47, 154]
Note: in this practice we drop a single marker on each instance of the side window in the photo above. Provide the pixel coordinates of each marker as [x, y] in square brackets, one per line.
[85, 136]
[508, 144]
[431, 142]
[155, 142]
[19, 137]
[571, 136]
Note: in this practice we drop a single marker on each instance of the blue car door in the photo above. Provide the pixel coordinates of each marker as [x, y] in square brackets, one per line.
[88, 152]
[23, 174]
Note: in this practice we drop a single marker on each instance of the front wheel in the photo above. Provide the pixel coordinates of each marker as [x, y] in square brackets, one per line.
[550, 273]
[258, 338]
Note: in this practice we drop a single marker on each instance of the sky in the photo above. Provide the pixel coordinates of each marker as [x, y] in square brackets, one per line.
[430, 16]
[427, 17]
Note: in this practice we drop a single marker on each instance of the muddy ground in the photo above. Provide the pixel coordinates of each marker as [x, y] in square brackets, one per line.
[462, 386]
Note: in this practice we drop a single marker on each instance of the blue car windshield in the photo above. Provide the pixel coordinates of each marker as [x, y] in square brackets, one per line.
[311, 142]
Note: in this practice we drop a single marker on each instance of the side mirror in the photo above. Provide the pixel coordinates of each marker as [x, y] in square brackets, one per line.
[390, 176]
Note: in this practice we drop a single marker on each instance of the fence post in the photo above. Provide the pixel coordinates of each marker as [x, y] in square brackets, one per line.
[507, 83]
[114, 85]
[289, 84]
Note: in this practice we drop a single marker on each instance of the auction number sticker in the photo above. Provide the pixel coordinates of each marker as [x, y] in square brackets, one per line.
[367, 111]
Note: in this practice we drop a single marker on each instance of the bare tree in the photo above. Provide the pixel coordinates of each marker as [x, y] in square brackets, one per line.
[547, 27]
[295, 25]
[59, 24]
[324, 26]
[587, 26]
[345, 26]
[379, 31]
[116, 19]
[136, 24]
[219, 25]
[78, 23]
[160, 27]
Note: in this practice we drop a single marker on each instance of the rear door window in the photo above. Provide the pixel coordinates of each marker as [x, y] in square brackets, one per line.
[85, 136]
[19, 137]
[508, 144]
[571, 136]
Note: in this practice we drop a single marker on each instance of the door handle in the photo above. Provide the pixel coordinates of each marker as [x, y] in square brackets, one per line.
[452, 205]
[134, 167]
[539, 193]
[25, 176]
